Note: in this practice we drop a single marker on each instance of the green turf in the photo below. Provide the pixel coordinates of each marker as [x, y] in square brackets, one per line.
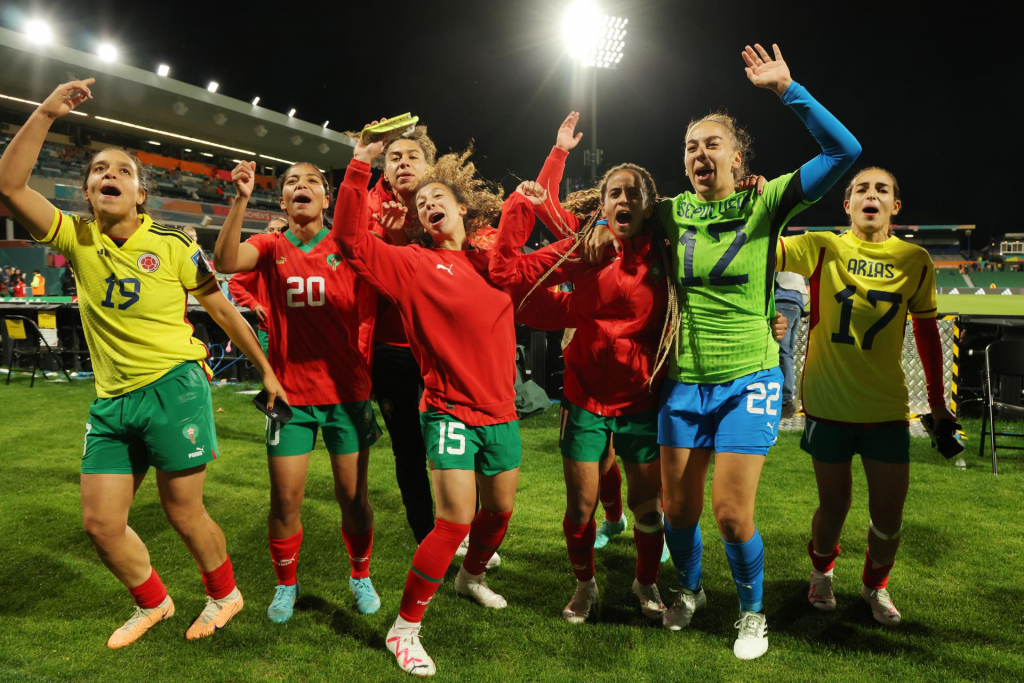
[987, 304]
[956, 580]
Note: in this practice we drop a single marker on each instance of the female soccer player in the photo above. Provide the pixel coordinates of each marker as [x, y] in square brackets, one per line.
[462, 333]
[863, 284]
[722, 395]
[619, 312]
[154, 406]
[322, 321]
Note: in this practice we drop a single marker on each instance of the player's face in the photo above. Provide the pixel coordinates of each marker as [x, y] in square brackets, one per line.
[872, 203]
[276, 225]
[439, 212]
[404, 165]
[112, 187]
[303, 195]
[710, 159]
[624, 203]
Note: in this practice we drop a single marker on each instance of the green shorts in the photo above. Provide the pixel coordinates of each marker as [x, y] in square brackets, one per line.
[264, 339]
[836, 444]
[584, 436]
[167, 424]
[452, 445]
[347, 428]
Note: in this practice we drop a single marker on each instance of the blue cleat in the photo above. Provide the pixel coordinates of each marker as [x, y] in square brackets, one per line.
[606, 529]
[367, 600]
[665, 554]
[283, 604]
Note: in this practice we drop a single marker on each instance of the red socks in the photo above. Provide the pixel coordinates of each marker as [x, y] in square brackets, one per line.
[428, 567]
[150, 593]
[611, 493]
[485, 535]
[875, 577]
[220, 581]
[648, 554]
[284, 552]
[822, 563]
[579, 540]
[360, 547]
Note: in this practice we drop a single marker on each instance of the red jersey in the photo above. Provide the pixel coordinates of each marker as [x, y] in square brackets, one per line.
[460, 325]
[248, 289]
[389, 328]
[618, 308]
[322, 319]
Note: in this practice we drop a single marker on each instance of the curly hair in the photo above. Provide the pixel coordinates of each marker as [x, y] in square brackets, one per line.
[481, 197]
[422, 140]
[741, 139]
[141, 172]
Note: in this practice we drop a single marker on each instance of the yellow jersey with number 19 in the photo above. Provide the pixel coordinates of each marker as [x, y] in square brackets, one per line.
[133, 298]
[861, 293]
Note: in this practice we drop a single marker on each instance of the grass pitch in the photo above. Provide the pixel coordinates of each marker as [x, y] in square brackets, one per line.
[956, 580]
[992, 303]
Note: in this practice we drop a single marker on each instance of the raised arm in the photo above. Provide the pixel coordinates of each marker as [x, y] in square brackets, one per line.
[230, 255]
[30, 208]
[560, 222]
[839, 149]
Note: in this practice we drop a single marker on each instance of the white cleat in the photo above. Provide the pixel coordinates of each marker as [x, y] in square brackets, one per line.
[882, 608]
[820, 594]
[752, 642]
[650, 600]
[405, 645]
[678, 616]
[495, 561]
[474, 587]
[463, 547]
[578, 609]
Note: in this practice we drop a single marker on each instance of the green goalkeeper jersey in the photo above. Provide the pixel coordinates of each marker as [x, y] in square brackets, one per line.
[724, 262]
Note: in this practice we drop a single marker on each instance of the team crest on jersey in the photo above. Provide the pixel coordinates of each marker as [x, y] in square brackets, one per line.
[281, 261]
[333, 260]
[148, 263]
[656, 271]
[190, 432]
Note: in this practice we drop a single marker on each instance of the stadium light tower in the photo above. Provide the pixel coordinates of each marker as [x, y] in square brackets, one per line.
[595, 40]
[39, 31]
[107, 52]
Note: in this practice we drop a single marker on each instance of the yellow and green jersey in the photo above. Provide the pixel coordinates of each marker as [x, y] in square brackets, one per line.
[723, 253]
[861, 293]
[133, 298]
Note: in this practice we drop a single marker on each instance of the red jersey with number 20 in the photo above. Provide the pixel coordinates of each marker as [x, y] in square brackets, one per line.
[322, 316]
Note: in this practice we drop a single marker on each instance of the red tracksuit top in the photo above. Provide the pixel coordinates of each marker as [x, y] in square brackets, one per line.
[249, 290]
[322, 317]
[460, 325]
[618, 308]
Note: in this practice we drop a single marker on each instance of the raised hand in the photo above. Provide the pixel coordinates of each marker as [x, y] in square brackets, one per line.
[244, 178]
[65, 98]
[766, 72]
[392, 216]
[567, 137]
[533, 191]
[750, 181]
[368, 152]
[594, 244]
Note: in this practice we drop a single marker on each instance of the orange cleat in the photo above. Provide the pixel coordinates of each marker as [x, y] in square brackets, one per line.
[140, 622]
[215, 616]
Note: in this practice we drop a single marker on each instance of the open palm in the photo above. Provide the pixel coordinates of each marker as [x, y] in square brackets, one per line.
[764, 71]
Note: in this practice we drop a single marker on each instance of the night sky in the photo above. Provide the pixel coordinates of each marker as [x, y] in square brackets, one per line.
[926, 91]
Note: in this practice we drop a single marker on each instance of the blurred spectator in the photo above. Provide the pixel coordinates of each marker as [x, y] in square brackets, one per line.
[789, 301]
[5, 276]
[277, 225]
[18, 286]
[67, 282]
[38, 283]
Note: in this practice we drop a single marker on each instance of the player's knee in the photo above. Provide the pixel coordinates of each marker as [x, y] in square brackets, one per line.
[648, 515]
[681, 512]
[734, 524]
[351, 498]
[100, 528]
[183, 519]
[835, 507]
[579, 512]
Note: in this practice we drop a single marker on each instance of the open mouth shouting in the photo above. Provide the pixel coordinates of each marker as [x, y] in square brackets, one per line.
[302, 197]
[869, 210]
[436, 220]
[110, 190]
[703, 174]
[623, 218]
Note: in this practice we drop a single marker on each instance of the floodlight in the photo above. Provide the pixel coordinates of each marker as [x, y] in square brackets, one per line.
[591, 37]
[153, 142]
[163, 70]
[107, 52]
[255, 100]
[326, 122]
[206, 154]
[39, 31]
[213, 86]
[291, 112]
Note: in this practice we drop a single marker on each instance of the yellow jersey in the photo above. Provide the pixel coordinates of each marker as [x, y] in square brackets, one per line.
[861, 293]
[133, 298]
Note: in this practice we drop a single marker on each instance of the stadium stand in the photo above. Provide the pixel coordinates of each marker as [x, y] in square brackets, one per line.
[1001, 279]
[949, 277]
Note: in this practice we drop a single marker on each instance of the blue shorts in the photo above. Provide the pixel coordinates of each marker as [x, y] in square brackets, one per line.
[741, 416]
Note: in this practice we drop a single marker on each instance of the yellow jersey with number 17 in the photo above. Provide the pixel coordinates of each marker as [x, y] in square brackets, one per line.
[133, 298]
[861, 293]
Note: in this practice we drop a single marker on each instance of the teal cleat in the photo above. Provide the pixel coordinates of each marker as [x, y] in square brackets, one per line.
[665, 554]
[606, 529]
[283, 604]
[367, 600]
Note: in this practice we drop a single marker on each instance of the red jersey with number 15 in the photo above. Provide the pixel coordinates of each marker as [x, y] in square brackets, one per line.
[322, 318]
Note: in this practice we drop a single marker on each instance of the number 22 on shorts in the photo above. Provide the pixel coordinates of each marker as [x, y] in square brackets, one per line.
[456, 441]
[761, 393]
